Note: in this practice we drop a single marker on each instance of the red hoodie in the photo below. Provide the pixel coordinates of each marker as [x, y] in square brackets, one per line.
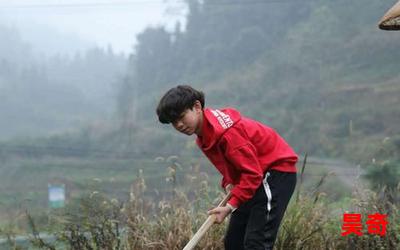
[243, 150]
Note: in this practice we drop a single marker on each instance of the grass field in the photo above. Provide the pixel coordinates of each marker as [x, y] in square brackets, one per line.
[24, 182]
[99, 214]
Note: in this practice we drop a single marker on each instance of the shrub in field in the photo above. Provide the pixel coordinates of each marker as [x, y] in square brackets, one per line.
[9, 234]
[94, 224]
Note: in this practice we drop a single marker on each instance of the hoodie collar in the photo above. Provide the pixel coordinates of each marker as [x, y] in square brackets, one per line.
[215, 123]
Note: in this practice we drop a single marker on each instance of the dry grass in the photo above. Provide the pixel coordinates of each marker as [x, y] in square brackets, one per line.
[98, 222]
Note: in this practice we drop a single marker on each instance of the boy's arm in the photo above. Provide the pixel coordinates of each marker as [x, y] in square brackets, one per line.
[244, 158]
[224, 183]
[231, 207]
[228, 189]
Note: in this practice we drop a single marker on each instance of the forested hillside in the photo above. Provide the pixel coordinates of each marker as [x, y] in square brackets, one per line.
[320, 72]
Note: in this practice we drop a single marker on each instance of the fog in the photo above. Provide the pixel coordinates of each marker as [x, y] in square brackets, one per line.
[67, 26]
[62, 61]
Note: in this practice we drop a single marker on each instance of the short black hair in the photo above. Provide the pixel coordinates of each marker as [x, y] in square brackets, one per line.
[177, 100]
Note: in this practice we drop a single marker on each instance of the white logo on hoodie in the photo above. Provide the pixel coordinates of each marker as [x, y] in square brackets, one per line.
[224, 120]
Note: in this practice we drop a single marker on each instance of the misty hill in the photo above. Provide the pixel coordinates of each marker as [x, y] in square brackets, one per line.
[41, 96]
[325, 78]
[320, 72]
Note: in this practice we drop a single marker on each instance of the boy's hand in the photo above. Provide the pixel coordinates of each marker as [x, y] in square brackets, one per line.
[220, 213]
[228, 188]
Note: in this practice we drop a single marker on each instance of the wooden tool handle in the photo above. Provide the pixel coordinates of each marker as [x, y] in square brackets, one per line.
[206, 225]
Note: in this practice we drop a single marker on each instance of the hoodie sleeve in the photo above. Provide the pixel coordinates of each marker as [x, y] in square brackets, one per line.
[224, 182]
[244, 159]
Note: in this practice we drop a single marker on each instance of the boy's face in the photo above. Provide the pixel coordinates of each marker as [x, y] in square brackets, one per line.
[190, 121]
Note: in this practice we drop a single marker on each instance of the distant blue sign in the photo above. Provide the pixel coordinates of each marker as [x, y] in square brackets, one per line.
[56, 195]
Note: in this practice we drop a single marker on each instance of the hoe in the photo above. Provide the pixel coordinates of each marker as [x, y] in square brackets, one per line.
[206, 225]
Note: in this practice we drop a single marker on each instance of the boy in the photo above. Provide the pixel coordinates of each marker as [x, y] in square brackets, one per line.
[257, 165]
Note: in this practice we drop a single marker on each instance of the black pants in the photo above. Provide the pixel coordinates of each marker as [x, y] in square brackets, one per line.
[254, 225]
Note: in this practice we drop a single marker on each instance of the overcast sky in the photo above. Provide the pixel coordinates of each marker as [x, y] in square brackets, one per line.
[94, 22]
